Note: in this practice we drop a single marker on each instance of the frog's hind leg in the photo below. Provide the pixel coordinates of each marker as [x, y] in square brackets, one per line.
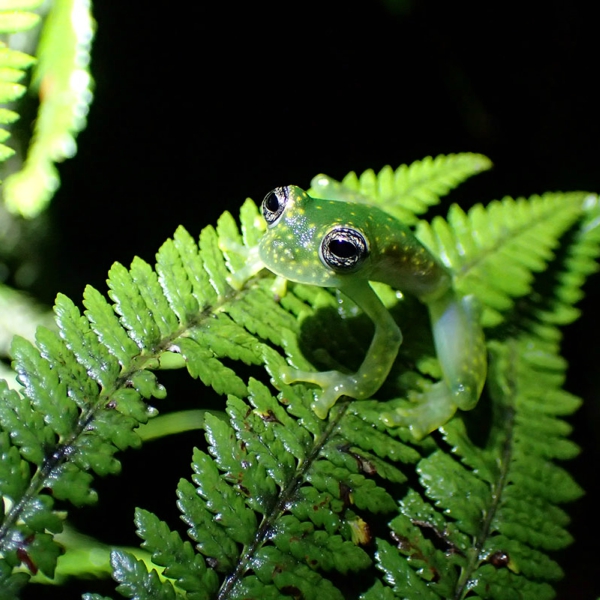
[461, 351]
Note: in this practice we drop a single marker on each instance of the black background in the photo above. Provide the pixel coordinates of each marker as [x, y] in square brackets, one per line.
[199, 105]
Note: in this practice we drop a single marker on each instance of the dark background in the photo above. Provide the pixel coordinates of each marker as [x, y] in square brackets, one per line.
[197, 108]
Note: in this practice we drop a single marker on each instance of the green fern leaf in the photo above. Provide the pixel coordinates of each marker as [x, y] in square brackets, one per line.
[129, 403]
[134, 314]
[68, 482]
[249, 312]
[227, 229]
[28, 431]
[261, 441]
[187, 568]
[175, 283]
[238, 522]
[305, 477]
[10, 583]
[13, 64]
[136, 582]
[89, 352]
[239, 467]
[318, 548]
[290, 577]
[400, 576]
[205, 530]
[146, 383]
[214, 262]
[227, 339]
[54, 350]
[94, 454]
[493, 583]
[495, 252]
[252, 587]
[105, 324]
[296, 441]
[449, 492]
[12, 69]
[117, 428]
[409, 190]
[83, 390]
[363, 435]
[43, 552]
[251, 223]
[202, 364]
[61, 76]
[203, 291]
[44, 389]
[152, 294]
[378, 592]
[14, 21]
[14, 471]
[320, 508]
[327, 477]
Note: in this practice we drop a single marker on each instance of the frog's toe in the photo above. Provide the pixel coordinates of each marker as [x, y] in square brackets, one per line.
[429, 412]
[418, 423]
[325, 401]
[288, 375]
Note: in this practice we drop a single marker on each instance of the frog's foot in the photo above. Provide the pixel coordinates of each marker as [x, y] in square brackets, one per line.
[431, 409]
[333, 383]
[246, 256]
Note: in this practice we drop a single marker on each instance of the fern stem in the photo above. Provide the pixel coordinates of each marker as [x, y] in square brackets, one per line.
[508, 400]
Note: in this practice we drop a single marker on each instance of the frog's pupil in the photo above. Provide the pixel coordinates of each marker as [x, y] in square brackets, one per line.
[272, 202]
[343, 248]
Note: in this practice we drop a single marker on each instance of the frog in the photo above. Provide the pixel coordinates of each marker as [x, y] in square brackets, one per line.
[345, 245]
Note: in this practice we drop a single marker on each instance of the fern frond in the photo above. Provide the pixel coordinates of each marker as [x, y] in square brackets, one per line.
[14, 17]
[84, 389]
[409, 190]
[501, 536]
[62, 79]
[495, 252]
[265, 463]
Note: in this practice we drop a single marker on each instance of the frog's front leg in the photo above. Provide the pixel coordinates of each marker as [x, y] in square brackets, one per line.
[377, 363]
[460, 348]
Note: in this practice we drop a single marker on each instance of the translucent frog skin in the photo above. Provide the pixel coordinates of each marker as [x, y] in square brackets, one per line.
[344, 245]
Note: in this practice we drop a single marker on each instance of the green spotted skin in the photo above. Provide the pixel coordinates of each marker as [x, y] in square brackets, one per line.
[367, 244]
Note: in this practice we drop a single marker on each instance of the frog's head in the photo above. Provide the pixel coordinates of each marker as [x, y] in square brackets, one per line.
[312, 241]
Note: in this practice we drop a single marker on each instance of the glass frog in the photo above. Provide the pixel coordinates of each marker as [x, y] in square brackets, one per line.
[344, 245]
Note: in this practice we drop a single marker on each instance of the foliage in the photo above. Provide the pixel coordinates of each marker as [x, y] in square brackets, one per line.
[280, 503]
[61, 79]
[53, 40]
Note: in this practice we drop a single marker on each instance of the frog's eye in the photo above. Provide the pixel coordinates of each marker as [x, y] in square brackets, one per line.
[274, 204]
[344, 249]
